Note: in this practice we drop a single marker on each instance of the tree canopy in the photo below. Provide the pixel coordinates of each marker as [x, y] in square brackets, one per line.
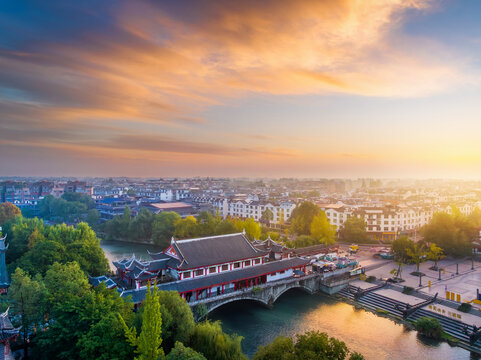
[311, 345]
[8, 211]
[322, 230]
[34, 246]
[302, 216]
[452, 232]
[354, 230]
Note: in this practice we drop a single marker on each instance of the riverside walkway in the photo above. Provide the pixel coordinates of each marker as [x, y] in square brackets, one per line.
[391, 300]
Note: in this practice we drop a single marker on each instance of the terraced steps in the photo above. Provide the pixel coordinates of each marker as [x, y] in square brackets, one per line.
[453, 327]
[374, 301]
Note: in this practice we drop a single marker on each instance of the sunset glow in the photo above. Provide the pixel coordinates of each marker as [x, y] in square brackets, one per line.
[335, 88]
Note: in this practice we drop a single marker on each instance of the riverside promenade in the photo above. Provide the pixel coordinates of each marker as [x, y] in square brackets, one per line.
[461, 278]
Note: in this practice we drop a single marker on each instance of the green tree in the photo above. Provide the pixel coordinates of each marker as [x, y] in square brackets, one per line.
[251, 227]
[28, 297]
[453, 233]
[186, 228]
[148, 343]
[209, 339]
[82, 321]
[435, 253]
[41, 256]
[311, 345]
[180, 352]
[429, 327]
[177, 319]
[400, 247]
[302, 216]
[322, 230]
[93, 217]
[163, 228]
[19, 230]
[315, 344]
[225, 227]
[267, 216]
[8, 211]
[417, 254]
[34, 246]
[74, 283]
[79, 197]
[282, 348]
[354, 230]
[206, 224]
[140, 228]
[304, 241]
[105, 340]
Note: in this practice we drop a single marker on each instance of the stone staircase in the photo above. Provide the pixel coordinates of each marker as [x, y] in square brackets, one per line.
[375, 301]
[453, 327]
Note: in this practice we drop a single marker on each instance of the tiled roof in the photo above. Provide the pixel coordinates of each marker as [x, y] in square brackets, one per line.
[227, 277]
[6, 328]
[211, 250]
[109, 283]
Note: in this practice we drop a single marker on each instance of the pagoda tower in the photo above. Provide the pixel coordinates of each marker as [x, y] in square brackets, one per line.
[4, 280]
[7, 331]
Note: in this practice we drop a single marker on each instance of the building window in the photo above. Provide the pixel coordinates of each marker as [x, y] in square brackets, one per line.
[186, 275]
[257, 261]
[236, 265]
[247, 263]
[225, 267]
[212, 270]
[199, 272]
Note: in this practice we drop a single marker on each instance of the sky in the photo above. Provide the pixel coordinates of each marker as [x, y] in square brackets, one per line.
[273, 88]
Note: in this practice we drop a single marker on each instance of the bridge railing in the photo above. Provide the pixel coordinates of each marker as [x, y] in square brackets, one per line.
[251, 289]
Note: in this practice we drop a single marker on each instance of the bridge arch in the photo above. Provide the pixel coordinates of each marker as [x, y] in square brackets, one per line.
[294, 286]
[231, 300]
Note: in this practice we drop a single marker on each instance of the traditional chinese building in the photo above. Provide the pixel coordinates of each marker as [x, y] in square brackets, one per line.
[4, 280]
[7, 331]
[209, 266]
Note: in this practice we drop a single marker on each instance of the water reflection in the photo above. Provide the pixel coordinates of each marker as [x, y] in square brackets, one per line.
[296, 312]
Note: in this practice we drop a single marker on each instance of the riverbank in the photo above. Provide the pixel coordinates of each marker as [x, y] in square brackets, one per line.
[376, 337]
[389, 302]
[116, 250]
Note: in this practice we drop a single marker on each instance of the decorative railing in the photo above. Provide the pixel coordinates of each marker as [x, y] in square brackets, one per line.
[248, 290]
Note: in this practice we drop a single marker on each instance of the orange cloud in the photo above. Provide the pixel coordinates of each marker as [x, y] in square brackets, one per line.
[162, 67]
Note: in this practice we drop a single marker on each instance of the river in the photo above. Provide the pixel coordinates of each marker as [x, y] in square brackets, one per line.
[116, 250]
[295, 312]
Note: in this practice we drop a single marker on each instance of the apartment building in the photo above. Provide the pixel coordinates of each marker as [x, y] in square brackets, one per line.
[388, 222]
[249, 208]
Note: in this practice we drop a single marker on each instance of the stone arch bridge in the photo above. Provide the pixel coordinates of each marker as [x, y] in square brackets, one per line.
[268, 293]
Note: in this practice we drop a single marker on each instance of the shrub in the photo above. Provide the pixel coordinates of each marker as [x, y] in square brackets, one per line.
[430, 328]
[464, 307]
[408, 290]
[371, 279]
